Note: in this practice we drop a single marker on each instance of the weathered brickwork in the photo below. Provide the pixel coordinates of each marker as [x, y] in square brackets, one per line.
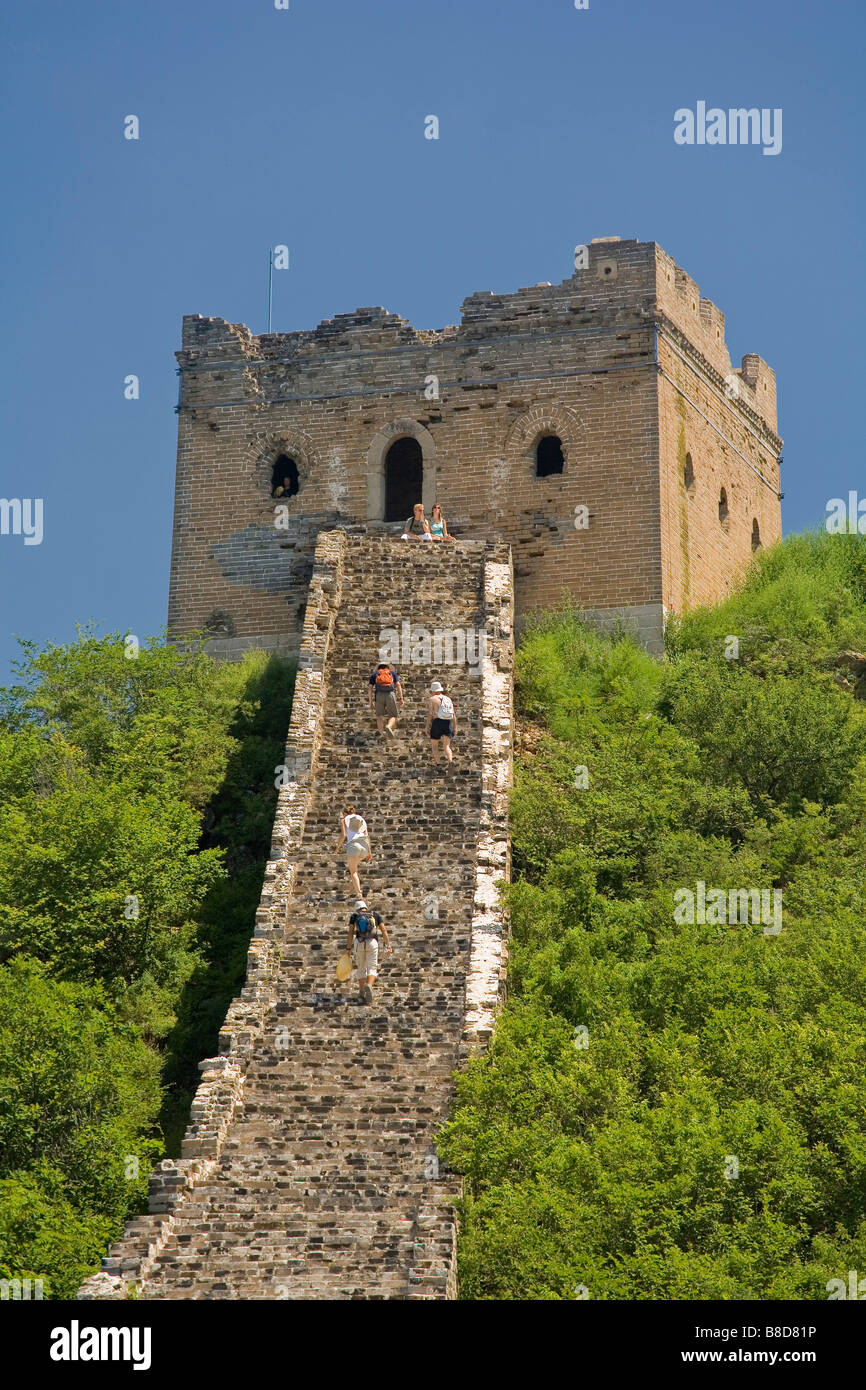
[308, 1170]
[724, 423]
[624, 362]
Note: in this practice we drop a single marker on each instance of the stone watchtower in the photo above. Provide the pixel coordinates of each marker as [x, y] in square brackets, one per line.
[596, 425]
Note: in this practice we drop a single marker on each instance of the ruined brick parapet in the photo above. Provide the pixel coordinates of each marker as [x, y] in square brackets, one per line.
[487, 969]
[702, 323]
[624, 363]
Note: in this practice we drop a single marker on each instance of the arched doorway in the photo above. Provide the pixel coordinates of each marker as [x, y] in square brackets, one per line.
[404, 477]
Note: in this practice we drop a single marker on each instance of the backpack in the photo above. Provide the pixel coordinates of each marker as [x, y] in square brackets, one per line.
[385, 679]
[356, 828]
[365, 926]
[446, 708]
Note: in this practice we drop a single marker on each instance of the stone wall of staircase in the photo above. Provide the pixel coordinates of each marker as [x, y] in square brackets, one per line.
[308, 1169]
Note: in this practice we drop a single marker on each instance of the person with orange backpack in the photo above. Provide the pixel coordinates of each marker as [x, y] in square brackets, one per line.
[385, 692]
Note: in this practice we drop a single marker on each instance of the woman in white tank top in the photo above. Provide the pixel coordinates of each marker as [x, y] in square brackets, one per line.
[356, 838]
[441, 723]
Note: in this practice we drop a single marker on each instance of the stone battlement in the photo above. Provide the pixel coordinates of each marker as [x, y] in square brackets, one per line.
[597, 426]
[645, 279]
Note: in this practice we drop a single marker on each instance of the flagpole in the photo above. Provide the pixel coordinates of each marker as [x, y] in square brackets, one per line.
[270, 284]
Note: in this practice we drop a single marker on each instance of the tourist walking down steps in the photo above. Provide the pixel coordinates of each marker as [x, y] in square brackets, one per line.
[356, 837]
[363, 942]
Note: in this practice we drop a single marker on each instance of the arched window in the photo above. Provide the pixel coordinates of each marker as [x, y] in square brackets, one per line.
[723, 505]
[756, 534]
[548, 456]
[404, 477]
[689, 473]
[284, 478]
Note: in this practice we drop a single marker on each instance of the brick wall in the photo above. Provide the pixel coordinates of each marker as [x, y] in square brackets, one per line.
[622, 360]
[723, 419]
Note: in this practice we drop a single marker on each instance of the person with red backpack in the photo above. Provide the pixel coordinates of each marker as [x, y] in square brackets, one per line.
[363, 942]
[385, 692]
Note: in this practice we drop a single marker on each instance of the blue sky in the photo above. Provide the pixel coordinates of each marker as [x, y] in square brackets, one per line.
[306, 127]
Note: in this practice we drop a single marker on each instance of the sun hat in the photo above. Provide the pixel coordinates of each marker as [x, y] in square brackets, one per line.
[359, 904]
[435, 688]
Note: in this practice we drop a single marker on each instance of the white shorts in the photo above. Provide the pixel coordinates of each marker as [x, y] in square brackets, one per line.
[366, 957]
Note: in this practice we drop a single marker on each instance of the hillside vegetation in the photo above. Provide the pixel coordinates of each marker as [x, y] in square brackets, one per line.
[667, 1110]
[136, 801]
[670, 1109]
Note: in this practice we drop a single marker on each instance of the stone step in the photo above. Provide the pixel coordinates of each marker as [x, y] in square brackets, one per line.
[322, 1185]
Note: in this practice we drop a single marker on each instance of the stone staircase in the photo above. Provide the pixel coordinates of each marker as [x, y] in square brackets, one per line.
[309, 1169]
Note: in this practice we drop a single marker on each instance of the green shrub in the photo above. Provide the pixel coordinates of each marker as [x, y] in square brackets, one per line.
[674, 1111]
[136, 803]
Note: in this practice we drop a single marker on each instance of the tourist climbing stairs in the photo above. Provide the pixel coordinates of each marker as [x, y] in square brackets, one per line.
[327, 1184]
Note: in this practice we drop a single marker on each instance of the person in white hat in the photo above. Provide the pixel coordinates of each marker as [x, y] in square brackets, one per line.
[441, 723]
[363, 942]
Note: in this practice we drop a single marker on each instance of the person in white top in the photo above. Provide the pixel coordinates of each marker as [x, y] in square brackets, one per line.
[356, 837]
[441, 723]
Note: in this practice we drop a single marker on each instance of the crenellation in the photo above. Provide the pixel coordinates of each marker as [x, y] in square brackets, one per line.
[624, 362]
